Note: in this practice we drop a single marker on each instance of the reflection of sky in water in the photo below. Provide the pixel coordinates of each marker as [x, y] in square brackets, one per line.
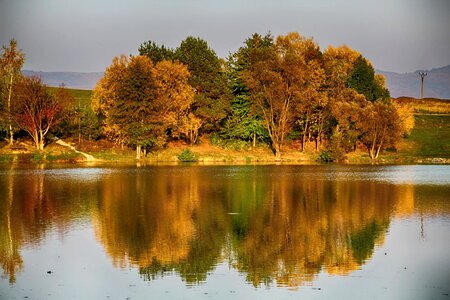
[406, 174]
[77, 174]
[406, 266]
[417, 174]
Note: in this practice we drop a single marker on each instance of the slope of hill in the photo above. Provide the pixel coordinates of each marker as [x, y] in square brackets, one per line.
[74, 80]
[437, 83]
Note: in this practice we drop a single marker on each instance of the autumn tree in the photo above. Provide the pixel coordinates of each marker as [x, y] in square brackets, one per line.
[310, 109]
[281, 78]
[123, 99]
[343, 103]
[140, 101]
[11, 62]
[338, 64]
[36, 110]
[136, 94]
[352, 87]
[106, 95]
[174, 97]
[381, 127]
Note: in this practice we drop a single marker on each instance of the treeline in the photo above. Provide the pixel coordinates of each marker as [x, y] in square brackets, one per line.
[272, 90]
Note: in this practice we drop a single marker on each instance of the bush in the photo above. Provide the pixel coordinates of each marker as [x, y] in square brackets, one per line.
[37, 156]
[325, 156]
[187, 156]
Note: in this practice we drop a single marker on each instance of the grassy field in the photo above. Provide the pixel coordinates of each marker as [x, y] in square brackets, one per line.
[431, 136]
[82, 97]
[426, 105]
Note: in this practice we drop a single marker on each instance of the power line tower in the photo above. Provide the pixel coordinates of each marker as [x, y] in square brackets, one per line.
[422, 75]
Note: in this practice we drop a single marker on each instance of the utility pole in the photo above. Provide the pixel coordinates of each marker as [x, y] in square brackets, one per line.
[422, 75]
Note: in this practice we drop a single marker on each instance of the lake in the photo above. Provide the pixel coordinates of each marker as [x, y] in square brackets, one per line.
[224, 232]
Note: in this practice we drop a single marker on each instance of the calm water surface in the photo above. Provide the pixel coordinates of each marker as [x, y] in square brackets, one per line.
[225, 232]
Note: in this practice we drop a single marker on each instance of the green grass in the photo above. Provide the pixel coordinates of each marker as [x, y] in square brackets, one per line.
[82, 97]
[50, 156]
[431, 136]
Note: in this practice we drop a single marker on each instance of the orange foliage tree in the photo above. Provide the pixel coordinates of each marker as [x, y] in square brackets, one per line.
[140, 102]
[37, 110]
[281, 78]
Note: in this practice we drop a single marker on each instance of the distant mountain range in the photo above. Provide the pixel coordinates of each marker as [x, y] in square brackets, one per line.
[437, 82]
[73, 80]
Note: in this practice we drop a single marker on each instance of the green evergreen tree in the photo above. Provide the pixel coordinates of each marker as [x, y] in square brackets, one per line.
[363, 80]
[243, 122]
[156, 52]
[212, 94]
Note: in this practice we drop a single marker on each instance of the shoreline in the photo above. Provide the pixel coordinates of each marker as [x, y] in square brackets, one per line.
[204, 155]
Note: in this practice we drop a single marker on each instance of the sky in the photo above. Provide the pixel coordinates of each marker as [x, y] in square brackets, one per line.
[84, 35]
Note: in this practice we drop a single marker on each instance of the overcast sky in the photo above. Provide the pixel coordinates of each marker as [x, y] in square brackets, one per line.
[84, 35]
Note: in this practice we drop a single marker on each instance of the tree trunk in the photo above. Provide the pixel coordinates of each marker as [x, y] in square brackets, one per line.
[378, 150]
[303, 142]
[372, 152]
[254, 139]
[304, 134]
[41, 145]
[138, 151]
[41, 140]
[79, 130]
[11, 133]
[277, 149]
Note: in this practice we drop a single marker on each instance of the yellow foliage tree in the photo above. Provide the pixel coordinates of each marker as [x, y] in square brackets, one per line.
[140, 101]
[282, 78]
[175, 97]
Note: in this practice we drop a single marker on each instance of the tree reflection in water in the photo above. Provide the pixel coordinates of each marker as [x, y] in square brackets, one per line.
[34, 205]
[274, 228]
[271, 229]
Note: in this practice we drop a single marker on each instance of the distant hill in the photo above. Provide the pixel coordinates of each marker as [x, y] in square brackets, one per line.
[74, 80]
[437, 83]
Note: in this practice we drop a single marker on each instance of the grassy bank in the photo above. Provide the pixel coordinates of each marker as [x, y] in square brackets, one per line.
[429, 142]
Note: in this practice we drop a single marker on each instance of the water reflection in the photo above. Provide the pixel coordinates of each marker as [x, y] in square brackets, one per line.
[275, 225]
[32, 204]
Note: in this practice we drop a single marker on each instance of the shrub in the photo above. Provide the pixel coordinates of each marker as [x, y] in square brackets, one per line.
[325, 156]
[187, 156]
[37, 156]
